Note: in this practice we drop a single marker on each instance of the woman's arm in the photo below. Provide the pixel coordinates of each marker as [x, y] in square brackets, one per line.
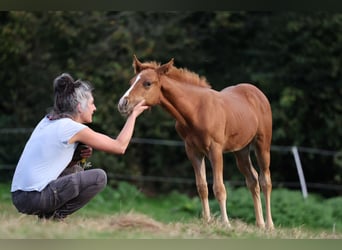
[103, 142]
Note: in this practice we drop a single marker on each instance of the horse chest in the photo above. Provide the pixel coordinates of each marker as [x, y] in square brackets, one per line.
[194, 137]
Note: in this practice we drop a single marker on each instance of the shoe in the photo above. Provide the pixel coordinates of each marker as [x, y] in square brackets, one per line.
[55, 216]
[58, 217]
[45, 216]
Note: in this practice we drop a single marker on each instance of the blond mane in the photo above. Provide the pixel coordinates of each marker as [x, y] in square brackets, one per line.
[181, 74]
[187, 76]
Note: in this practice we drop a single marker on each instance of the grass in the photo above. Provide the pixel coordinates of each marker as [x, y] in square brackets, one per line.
[127, 214]
[135, 225]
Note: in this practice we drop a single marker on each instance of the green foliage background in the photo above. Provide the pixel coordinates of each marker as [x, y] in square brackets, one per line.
[294, 57]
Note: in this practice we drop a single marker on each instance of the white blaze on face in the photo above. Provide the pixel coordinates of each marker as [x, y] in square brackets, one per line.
[122, 99]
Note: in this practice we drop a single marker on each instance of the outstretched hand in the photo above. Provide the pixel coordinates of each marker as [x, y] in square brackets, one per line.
[139, 108]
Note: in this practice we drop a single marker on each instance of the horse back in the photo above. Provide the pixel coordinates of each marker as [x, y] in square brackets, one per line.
[245, 93]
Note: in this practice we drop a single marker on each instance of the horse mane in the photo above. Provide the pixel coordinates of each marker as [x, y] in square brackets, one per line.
[181, 74]
[187, 76]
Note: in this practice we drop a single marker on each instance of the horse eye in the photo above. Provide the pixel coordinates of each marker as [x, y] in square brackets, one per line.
[147, 84]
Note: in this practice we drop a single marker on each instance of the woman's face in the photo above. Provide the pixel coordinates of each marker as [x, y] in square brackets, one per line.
[86, 114]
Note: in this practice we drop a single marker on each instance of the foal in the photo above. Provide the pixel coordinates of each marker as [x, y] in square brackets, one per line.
[211, 122]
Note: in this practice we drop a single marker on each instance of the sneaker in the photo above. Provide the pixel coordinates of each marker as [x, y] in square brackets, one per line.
[58, 217]
[55, 216]
[46, 216]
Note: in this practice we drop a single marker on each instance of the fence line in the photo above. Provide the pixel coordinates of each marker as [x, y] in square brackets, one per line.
[181, 143]
[234, 183]
[294, 150]
[273, 147]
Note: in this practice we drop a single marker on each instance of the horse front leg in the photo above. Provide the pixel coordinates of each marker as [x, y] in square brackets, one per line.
[216, 159]
[197, 160]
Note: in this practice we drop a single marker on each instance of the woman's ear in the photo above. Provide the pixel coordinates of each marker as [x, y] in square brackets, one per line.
[79, 108]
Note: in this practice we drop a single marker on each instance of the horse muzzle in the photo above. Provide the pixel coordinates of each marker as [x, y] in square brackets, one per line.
[124, 107]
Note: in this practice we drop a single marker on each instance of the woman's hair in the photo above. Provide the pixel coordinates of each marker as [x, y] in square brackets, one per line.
[67, 95]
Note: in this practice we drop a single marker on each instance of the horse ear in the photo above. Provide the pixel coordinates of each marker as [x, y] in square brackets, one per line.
[137, 65]
[163, 69]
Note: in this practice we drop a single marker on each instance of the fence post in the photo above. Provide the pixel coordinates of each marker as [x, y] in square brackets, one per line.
[300, 171]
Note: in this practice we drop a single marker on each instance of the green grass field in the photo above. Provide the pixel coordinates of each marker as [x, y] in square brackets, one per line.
[126, 213]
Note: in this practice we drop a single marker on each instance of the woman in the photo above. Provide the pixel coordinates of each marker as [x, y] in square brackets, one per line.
[47, 181]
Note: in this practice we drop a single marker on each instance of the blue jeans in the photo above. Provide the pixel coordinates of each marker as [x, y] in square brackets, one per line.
[62, 196]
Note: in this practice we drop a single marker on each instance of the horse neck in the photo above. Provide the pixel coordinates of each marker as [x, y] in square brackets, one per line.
[178, 100]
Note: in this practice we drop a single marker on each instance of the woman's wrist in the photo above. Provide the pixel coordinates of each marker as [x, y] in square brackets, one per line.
[133, 115]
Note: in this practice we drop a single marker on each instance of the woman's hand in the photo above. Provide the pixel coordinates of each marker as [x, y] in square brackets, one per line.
[82, 152]
[139, 108]
[86, 151]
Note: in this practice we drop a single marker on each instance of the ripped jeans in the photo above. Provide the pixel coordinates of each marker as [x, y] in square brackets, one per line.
[62, 196]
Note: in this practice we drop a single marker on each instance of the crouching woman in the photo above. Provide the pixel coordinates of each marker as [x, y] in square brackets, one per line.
[48, 181]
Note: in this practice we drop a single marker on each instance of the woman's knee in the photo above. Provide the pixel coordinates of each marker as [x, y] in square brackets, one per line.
[102, 177]
[96, 177]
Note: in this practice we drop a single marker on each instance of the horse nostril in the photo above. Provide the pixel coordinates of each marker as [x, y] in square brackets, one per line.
[123, 103]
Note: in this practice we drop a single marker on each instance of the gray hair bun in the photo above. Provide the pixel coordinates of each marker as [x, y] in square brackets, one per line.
[64, 84]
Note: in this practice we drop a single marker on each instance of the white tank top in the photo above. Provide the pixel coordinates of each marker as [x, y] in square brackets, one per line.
[46, 154]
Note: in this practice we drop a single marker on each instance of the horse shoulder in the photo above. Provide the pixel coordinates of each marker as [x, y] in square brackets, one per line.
[181, 130]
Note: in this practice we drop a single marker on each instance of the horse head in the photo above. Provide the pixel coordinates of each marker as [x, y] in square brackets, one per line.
[145, 85]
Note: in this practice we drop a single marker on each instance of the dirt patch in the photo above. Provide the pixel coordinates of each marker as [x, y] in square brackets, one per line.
[136, 221]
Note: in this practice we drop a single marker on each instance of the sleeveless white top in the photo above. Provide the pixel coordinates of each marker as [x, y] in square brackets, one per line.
[46, 154]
